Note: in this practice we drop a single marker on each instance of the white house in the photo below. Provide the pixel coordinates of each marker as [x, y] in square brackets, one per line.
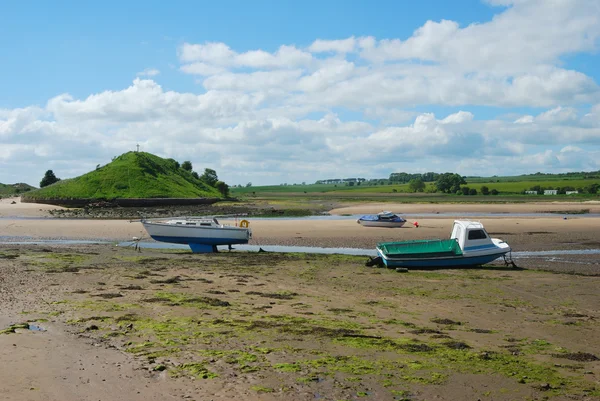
[531, 192]
[571, 192]
[551, 192]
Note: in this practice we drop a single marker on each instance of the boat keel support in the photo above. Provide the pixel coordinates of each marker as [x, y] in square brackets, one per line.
[203, 248]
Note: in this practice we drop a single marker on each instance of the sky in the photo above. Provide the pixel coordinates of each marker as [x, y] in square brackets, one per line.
[271, 92]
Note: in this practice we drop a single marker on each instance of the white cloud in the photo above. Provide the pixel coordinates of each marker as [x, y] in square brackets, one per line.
[220, 55]
[148, 72]
[528, 34]
[558, 115]
[254, 82]
[338, 46]
[524, 120]
[213, 53]
[200, 68]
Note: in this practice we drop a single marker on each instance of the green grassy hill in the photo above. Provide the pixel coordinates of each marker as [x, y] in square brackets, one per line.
[14, 189]
[131, 175]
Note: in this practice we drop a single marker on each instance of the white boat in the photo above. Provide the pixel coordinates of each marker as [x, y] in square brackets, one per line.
[469, 245]
[202, 234]
[383, 219]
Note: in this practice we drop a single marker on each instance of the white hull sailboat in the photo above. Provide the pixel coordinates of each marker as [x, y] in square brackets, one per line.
[200, 233]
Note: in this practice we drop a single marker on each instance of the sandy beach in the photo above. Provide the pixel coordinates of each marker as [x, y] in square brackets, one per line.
[158, 325]
[523, 233]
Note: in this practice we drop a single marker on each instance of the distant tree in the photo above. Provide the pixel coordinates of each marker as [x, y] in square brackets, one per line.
[472, 191]
[449, 183]
[175, 162]
[195, 175]
[416, 185]
[49, 179]
[97, 167]
[592, 189]
[209, 177]
[494, 191]
[351, 183]
[485, 190]
[248, 185]
[223, 188]
[536, 188]
[187, 166]
[465, 190]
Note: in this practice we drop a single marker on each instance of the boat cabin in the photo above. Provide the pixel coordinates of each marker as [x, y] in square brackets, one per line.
[470, 235]
[383, 216]
[196, 222]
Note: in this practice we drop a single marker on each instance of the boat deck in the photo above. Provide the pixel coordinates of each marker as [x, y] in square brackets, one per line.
[421, 249]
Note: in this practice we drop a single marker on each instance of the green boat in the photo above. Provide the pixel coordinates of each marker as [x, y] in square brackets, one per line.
[469, 245]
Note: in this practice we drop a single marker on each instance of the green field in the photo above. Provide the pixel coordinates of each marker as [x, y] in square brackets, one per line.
[131, 175]
[508, 189]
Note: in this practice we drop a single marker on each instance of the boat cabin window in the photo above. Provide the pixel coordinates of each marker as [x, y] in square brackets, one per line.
[205, 224]
[190, 224]
[477, 234]
[179, 222]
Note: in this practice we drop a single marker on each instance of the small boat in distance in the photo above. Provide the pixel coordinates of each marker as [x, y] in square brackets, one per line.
[382, 219]
[469, 245]
[202, 234]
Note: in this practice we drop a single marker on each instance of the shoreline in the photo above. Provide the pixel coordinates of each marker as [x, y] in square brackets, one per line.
[530, 233]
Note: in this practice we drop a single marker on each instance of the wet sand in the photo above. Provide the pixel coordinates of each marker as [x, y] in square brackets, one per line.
[523, 233]
[162, 325]
[289, 327]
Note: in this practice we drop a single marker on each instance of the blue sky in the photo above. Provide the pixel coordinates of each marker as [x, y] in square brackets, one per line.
[304, 90]
[87, 47]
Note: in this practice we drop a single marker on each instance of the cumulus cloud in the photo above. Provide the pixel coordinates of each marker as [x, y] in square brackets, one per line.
[148, 72]
[338, 46]
[219, 54]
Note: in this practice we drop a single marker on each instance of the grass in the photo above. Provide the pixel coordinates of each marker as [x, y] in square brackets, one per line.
[131, 175]
[510, 188]
[7, 190]
[13, 328]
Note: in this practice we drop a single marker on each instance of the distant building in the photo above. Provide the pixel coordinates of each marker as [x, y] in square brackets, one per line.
[531, 192]
[571, 192]
[551, 192]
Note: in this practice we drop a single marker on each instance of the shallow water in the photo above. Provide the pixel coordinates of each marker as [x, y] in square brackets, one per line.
[34, 327]
[4, 240]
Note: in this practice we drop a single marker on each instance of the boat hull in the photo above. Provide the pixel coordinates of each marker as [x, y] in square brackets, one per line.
[200, 239]
[387, 224]
[452, 261]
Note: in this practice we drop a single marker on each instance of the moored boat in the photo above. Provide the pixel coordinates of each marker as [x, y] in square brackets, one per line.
[202, 234]
[469, 245]
[382, 219]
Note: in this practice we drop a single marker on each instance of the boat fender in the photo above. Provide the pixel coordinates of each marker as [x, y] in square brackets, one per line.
[244, 223]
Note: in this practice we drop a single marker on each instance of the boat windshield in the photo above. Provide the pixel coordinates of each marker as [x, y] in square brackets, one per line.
[215, 220]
